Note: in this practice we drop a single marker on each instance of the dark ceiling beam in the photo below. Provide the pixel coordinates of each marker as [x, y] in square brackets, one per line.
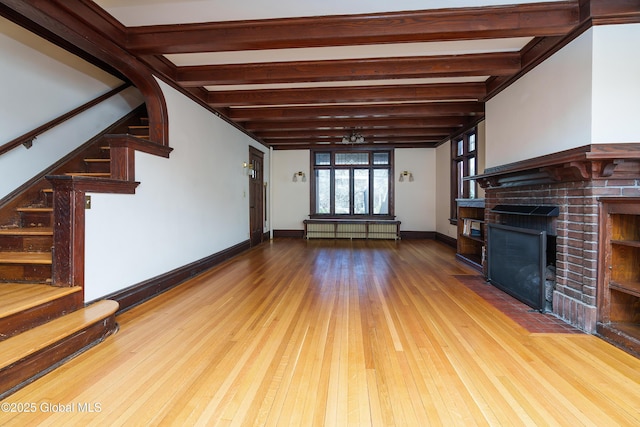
[388, 93]
[376, 146]
[344, 123]
[526, 20]
[468, 108]
[496, 64]
[332, 133]
[368, 140]
[606, 12]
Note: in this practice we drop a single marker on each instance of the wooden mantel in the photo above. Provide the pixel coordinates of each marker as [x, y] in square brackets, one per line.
[589, 162]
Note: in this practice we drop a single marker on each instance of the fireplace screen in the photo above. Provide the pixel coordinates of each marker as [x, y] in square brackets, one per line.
[516, 260]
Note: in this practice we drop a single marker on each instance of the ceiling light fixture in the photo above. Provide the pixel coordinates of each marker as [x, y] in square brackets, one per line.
[353, 138]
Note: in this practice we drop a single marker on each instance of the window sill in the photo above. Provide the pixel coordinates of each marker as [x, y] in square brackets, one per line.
[355, 217]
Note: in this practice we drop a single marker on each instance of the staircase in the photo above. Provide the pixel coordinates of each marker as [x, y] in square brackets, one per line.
[41, 325]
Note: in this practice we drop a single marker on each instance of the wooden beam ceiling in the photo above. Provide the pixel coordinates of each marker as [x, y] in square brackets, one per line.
[419, 100]
[259, 75]
[530, 20]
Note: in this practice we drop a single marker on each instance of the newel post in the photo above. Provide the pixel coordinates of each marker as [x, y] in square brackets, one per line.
[68, 232]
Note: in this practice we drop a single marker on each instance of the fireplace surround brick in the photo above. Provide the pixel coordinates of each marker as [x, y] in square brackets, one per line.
[574, 181]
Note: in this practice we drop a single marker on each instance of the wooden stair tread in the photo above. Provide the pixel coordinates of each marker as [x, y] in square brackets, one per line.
[29, 342]
[139, 127]
[27, 231]
[17, 297]
[34, 209]
[25, 257]
[94, 174]
[97, 160]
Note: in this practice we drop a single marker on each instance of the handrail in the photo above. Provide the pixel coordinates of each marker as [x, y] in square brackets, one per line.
[27, 138]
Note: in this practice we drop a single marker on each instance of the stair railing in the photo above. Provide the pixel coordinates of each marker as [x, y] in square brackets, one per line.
[27, 138]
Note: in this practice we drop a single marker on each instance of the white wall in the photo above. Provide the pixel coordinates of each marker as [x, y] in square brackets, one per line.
[39, 83]
[545, 111]
[616, 83]
[187, 207]
[415, 202]
[290, 199]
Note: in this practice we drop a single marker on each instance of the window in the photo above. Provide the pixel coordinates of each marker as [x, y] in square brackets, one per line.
[464, 163]
[351, 184]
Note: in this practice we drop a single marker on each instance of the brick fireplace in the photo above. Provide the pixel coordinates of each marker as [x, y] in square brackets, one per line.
[574, 181]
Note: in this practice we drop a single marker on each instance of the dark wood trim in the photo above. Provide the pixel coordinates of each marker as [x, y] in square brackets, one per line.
[316, 95]
[607, 12]
[589, 162]
[430, 25]
[446, 109]
[592, 12]
[143, 291]
[337, 134]
[448, 240]
[488, 64]
[78, 23]
[296, 234]
[69, 230]
[27, 138]
[613, 336]
[51, 37]
[138, 144]
[122, 154]
[342, 123]
[406, 235]
[14, 198]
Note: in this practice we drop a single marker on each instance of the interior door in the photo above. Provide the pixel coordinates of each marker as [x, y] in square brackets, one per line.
[256, 196]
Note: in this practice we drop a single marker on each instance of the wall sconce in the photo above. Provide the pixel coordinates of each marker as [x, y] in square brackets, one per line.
[249, 169]
[404, 174]
[299, 174]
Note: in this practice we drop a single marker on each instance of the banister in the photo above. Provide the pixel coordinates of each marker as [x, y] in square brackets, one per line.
[27, 138]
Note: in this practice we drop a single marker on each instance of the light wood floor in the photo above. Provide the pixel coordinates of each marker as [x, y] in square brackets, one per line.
[297, 333]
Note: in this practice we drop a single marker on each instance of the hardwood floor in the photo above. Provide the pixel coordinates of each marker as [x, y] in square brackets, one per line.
[336, 333]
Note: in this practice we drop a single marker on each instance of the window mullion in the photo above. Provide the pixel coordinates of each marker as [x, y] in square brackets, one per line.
[352, 192]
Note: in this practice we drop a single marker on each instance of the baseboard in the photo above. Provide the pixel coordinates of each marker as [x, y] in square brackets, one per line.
[417, 234]
[451, 241]
[143, 291]
[289, 233]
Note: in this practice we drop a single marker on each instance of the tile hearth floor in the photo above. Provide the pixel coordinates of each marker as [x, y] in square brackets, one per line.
[530, 319]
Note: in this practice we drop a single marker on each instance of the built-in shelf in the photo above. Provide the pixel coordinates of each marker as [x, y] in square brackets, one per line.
[619, 281]
[471, 232]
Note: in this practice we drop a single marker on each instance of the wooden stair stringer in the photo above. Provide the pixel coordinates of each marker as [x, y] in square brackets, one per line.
[33, 353]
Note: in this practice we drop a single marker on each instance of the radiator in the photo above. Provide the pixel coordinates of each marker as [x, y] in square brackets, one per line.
[351, 231]
[337, 229]
[383, 231]
[321, 231]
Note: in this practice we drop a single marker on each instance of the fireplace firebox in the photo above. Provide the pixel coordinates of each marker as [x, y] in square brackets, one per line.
[516, 262]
